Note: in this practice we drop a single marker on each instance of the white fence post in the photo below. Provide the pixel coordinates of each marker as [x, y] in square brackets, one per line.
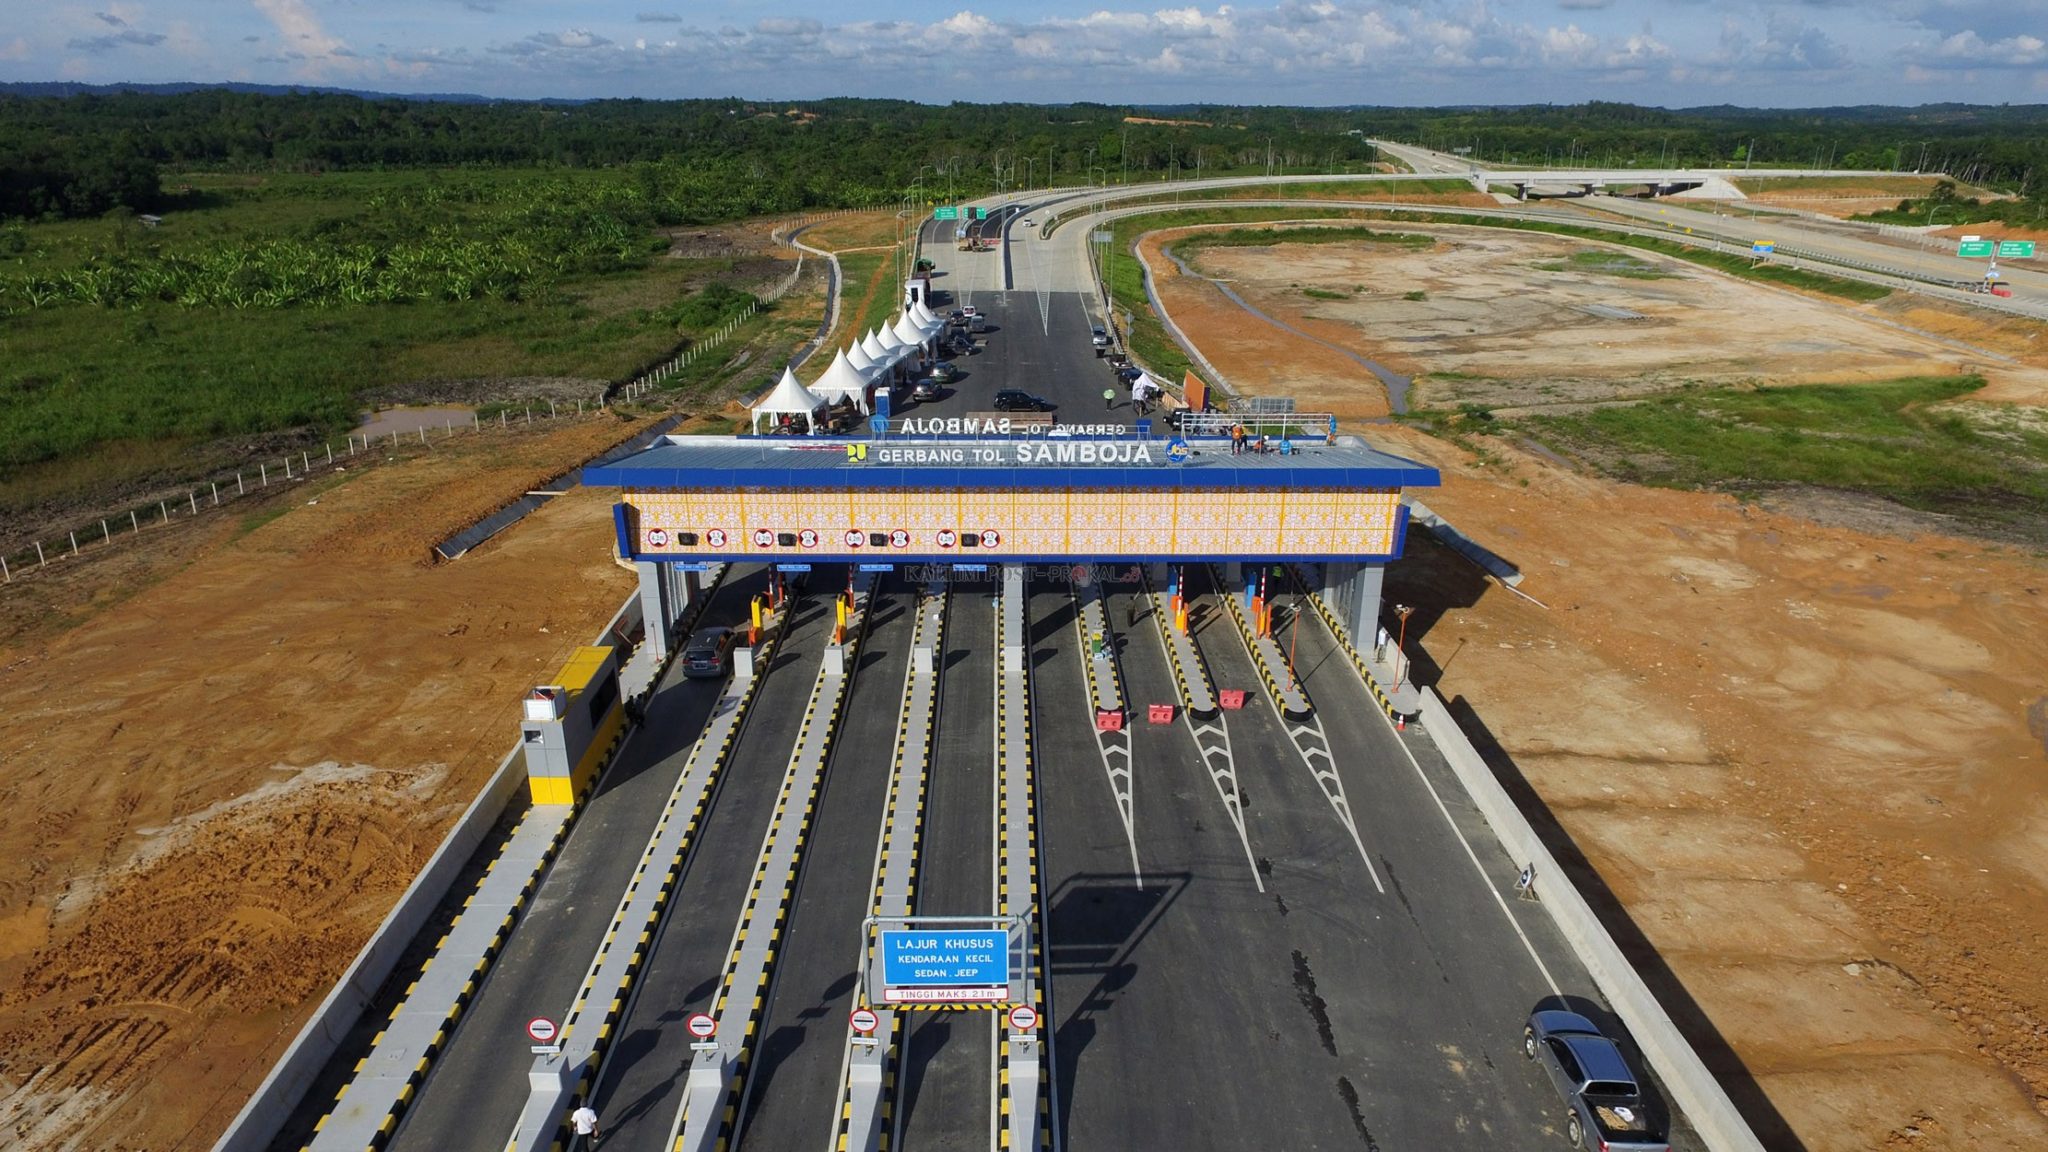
[287, 467]
[164, 510]
[134, 524]
[106, 537]
[74, 543]
[194, 498]
[239, 489]
[264, 470]
[216, 493]
[4, 573]
[423, 433]
[42, 561]
[330, 452]
[305, 463]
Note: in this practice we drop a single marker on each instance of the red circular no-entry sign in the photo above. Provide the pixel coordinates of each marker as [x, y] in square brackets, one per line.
[542, 1029]
[1023, 1017]
[701, 1026]
[864, 1021]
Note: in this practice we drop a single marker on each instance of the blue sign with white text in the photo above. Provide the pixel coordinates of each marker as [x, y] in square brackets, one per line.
[945, 966]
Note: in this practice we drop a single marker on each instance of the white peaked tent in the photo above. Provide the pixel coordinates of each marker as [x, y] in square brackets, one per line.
[861, 361]
[909, 331]
[842, 381]
[924, 316]
[877, 350]
[789, 398]
[893, 347]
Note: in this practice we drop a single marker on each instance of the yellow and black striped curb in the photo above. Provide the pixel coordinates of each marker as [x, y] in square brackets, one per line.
[1273, 688]
[642, 944]
[787, 892]
[1372, 682]
[1005, 1103]
[479, 967]
[1180, 672]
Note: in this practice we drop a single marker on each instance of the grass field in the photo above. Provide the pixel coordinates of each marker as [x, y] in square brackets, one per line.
[97, 396]
[869, 294]
[1898, 440]
[1605, 263]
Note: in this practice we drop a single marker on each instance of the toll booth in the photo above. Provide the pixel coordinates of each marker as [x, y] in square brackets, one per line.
[571, 725]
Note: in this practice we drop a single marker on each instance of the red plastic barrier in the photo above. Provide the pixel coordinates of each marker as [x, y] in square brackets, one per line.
[1109, 720]
[1231, 698]
[1160, 713]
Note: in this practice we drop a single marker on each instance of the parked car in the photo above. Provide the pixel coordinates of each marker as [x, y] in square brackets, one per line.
[1604, 1107]
[956, 317]
[961, 344]
[1017, 400]
[927, 389]
[1027, 222]
[1100, 337]
[942, 372]
[709, 652]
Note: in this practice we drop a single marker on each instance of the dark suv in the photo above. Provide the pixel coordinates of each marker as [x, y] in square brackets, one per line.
[1017, 400]
[709, 653]
[1604, 1108]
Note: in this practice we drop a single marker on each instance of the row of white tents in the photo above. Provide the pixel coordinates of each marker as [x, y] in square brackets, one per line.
[861, 365]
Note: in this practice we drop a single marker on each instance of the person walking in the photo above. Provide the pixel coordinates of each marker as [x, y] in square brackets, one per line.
[1108, 398]
[1236, 439]
[583, 1121]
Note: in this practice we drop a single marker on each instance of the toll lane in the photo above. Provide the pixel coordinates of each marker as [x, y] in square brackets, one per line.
[641, 1085]
[793, 1079]
[943, 1080]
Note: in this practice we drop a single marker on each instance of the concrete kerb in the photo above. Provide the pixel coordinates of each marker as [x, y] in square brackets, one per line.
[1693, 1088]
[267, 1111]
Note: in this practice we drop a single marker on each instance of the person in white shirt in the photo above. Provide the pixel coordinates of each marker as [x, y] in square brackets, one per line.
[584, 1121]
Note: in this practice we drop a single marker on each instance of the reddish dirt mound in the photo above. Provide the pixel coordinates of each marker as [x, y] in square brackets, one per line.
[218, 785]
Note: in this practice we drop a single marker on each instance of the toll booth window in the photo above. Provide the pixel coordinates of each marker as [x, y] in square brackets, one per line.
[603, 696]
[786, 539]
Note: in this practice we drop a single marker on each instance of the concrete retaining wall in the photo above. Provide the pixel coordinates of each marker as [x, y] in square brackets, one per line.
[281, 1093]
[1693, 1089]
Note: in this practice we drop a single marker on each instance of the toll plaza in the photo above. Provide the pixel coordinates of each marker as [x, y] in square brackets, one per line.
[990, 496]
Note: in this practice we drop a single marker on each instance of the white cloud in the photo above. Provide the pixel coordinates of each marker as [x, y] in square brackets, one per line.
[1967, 49]
[305, 40]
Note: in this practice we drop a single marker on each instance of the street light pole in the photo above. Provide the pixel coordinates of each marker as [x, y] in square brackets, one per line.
[1401, 646]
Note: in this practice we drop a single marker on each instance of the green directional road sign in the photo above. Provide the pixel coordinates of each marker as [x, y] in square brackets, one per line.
[981, 213]
[1977, 249]
[948, 213]
[2015, 249]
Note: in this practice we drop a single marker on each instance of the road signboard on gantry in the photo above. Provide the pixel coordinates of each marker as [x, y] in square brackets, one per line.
[2015, 249]
[1972, 248]
[945, 966]
[946, 213]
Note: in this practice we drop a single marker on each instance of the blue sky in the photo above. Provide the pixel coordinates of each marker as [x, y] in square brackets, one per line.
[1666, 52]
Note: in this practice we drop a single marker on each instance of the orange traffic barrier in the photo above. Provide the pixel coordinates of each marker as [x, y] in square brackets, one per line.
[1231, 698]
[1109, 720]
[1160, 713]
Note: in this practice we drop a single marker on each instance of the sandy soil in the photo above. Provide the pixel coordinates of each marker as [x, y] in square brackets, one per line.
[1809, 761]
[252, 738]
[1506, 322]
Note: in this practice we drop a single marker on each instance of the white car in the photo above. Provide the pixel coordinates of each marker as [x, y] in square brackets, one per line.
[1027, 222]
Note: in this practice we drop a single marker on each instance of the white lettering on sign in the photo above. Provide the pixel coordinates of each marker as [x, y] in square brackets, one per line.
[954, 426]
[1083, 452]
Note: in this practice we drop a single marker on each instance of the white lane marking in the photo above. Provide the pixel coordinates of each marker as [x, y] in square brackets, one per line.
[1471, 855]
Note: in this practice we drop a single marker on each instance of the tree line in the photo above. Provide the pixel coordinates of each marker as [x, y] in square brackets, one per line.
[81, 155]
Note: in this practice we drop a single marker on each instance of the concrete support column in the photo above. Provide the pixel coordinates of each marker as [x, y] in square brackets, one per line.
[655, 608]
[1335, 586]
[1360, 613]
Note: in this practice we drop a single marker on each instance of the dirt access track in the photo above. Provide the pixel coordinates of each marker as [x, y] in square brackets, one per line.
[248, 737]
[1809, 764]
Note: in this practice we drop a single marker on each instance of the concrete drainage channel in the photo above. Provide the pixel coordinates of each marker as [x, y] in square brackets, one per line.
[461, 542]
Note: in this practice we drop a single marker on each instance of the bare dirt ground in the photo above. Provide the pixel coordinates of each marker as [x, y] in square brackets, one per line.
[227, 754]
[1810, 762]
[1507, 321]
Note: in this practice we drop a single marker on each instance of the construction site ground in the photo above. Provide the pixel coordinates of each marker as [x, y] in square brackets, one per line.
[1805, 767]
[230, 746]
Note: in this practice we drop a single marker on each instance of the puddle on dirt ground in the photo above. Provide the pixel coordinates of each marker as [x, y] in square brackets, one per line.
[406, 421]
[1395, 383]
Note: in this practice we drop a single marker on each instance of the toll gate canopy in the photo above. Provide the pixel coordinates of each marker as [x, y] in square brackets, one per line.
[994, 498]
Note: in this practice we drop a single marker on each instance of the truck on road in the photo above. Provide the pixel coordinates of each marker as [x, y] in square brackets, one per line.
[1604, 1107]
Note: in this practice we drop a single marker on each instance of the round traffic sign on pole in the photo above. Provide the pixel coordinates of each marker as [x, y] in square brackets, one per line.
[1023, 1017]
[542, 1030]
[701, 1026]
[864, 1021]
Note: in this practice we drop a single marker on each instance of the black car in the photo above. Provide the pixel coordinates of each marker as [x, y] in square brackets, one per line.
[709, 652]
[1017, 400]
[927, 389]
[942, 372]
